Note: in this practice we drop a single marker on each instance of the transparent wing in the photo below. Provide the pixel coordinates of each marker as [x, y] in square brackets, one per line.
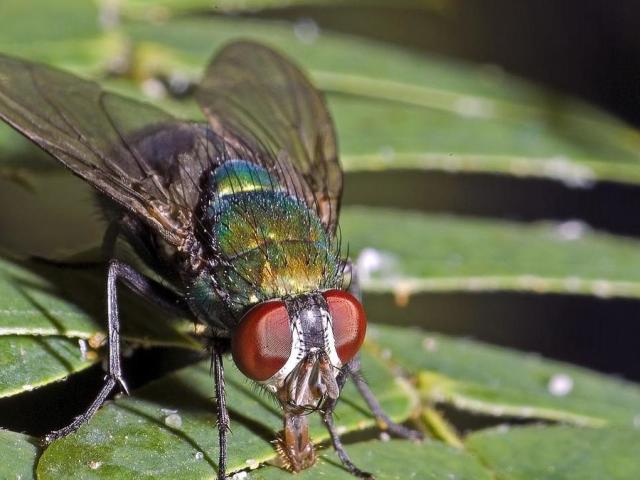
[141, 157]
[270, 111]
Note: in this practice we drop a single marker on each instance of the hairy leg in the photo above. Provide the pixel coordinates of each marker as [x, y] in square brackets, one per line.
[145, 287]
[327, 418]
[354, 372]
[221, 404]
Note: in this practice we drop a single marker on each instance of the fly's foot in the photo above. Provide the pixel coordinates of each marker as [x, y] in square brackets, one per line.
[356, 472]
[119, 380]
[110, 382]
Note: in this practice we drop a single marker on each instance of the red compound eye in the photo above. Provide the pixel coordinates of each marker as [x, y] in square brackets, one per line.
[349, 322]
[261, 344]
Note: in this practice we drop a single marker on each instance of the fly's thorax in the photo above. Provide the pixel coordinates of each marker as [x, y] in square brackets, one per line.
[264, 243]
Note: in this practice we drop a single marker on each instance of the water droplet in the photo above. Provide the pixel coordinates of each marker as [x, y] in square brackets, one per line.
[384, 436]
[387, 153]
[153, 88]
[179, 83]
[560, 385]
[82, 343]
[373, 263]
[173, 420]
[430, 344]
[602, 288]
[571, 230]
[199, 455]
[474, 107]
[306, 30]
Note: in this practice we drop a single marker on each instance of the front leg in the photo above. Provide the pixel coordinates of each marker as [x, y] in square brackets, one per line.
[354, 372]
[147, 288]
[327, 418]
[221, 404]
[382, 418]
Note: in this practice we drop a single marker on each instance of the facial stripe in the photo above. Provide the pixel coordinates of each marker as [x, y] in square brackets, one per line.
[311, 329]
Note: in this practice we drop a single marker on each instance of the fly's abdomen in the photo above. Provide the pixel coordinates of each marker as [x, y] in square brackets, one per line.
[268, 242]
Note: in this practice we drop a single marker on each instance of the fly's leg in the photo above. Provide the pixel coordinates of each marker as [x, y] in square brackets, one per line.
[327, 418]
[354, 372]
[147, 288]
[383, 419]
[223, 414]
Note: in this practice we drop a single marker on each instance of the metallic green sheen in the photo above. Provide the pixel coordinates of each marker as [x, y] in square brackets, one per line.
[241, 176]
[271, 243]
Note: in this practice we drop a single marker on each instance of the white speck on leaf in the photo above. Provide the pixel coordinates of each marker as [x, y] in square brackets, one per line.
[94, 465]
[602, 288]
[560, 385]
[430, 344]
[571, 230]
[387, 153]
[373, 263]
[179, 82]
[503, 428]
[82, 343]
[306, 30]
[252, 463]
[153, 88]
[173, 420]
[570, 173]
[475, 107]
[199, 455]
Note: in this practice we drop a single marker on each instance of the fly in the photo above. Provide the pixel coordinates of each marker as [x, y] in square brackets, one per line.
[237, 215]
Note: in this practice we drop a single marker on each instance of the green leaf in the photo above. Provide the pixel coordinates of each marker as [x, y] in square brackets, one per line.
[558, 453]
[131, 437]
[42, 319]
[41, 299]
[393, 460]
[162, 8]
[30, 362]
[31, 303]
[397, 110]
[464, 254]
[70, 33]
[19, 455]
[500, 382]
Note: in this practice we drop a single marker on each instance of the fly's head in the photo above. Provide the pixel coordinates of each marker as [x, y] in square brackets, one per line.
[295, 347]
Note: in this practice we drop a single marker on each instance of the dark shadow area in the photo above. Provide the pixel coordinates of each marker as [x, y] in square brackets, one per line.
[467, 422]
[605, 206]
[596, 333]
[51, 407]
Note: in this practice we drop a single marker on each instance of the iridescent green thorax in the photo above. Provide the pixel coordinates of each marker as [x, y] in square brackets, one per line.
[271, 245]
